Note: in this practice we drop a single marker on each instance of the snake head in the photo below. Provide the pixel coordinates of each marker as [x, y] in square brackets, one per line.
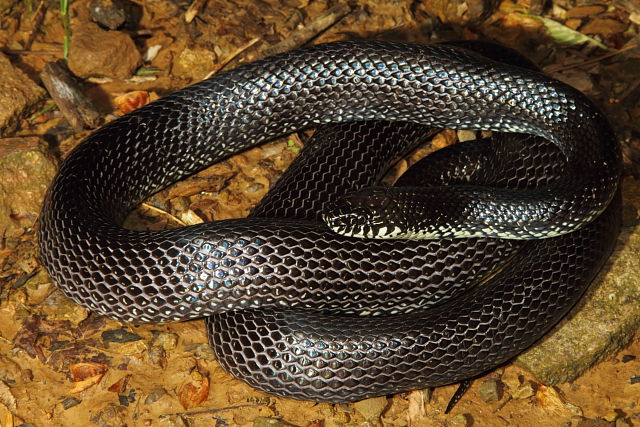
[367, 213]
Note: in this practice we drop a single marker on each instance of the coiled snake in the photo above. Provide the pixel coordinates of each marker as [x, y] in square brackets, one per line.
[287, 297]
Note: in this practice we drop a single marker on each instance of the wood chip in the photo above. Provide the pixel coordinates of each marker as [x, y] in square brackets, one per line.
[74, 105]
[604, 27]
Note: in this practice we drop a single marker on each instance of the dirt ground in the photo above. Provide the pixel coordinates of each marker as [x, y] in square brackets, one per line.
[62, 366]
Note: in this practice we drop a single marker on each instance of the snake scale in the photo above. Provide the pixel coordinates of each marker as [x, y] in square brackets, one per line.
[300, 311]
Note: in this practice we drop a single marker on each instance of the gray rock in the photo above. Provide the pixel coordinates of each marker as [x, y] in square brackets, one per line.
[114, 14]
[606, 318]
[18, 96]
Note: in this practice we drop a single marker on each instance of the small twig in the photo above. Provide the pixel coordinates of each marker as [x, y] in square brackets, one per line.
[503, 404]
[36, 22]
[309, 31]
[294, 40]
[557, 68]
[193, 10]
[231, 57]
[31, 52]
[213, 411]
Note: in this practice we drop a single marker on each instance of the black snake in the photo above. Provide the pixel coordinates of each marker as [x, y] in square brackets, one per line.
[283, 293]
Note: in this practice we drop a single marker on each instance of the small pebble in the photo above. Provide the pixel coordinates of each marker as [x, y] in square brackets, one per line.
[460, 420]
[490, 390]
[466, 135]
[155, 394]
[119, 336]
[628, 358]
[634, 380]
[371, 409]
[621, 422]
[70, 402]
[114, 14]
[166, 341]
[525, 391]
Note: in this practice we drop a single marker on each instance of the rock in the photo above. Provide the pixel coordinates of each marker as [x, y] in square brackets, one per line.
[109, 415]
[114, 14]
[26, 169]
[194, 64]
[604, 321]
[166, 341]
[490, 390]
[119, 336]
[621, 422]
[154, 395]
[371, 409]
[460, 420]
[96, 52]
[525, 391]
[18, 96]
[466, 135]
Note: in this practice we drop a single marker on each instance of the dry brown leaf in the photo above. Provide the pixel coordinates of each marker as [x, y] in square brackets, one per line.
[86, 374]
[194, 392]
[604, 27]
[120, 385]
[585, 11]
[131, 101]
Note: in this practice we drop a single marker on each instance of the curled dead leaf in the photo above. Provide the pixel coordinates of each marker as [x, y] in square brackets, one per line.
[120, 385]
[132, 100]
[194, 392]
[86, 374]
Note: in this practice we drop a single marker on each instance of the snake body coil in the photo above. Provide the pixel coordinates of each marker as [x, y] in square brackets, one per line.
[256, 277]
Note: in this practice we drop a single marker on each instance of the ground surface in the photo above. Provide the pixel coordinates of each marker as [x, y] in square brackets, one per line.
[61, 366]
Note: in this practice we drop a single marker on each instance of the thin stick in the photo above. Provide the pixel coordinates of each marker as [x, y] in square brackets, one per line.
[309, 31]
[557, 68]
[230, 58]
[213, 411]
[36, 21]
[193, 10]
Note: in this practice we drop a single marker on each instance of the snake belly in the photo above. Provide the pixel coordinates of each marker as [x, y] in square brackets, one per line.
[249, 273]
